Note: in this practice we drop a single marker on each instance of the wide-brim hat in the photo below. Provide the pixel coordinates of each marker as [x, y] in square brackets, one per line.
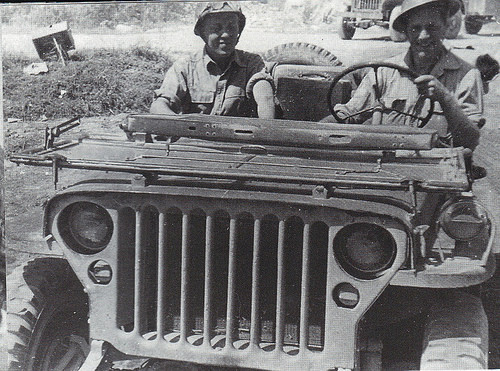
[217, 8]
[401, 20]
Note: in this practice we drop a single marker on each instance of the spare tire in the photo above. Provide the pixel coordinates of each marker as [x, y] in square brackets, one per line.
[301, 53]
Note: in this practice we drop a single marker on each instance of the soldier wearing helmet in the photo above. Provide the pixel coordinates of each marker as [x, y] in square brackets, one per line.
[454, 85]
[220, 79]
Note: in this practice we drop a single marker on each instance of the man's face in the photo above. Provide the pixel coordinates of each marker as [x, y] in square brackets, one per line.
[426, 29]
[220, 33]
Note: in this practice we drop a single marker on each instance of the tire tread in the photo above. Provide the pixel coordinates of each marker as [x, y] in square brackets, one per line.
[36, 281]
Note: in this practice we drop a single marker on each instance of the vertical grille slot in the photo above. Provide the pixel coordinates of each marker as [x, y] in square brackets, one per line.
[267, 278]
[293, 271]
[172, 273]
[125, 269]
[146, 274]
[318, 258]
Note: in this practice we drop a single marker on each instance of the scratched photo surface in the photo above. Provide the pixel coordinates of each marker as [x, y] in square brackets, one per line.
[105, 63]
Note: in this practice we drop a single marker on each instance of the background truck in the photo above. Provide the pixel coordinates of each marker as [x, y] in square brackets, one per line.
[367, 13]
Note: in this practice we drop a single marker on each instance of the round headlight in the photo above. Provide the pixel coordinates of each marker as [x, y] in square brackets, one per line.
[364, 250]
[85, 227]
[463, 220]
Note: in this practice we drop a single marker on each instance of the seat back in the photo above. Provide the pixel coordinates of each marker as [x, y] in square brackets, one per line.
[302, 90]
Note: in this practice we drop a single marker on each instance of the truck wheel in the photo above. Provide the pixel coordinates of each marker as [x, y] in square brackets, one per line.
[345, 30]
[456, 334]
[472, 25]
[301, 53]
[46, 318]
[454, 25]
[395, 36]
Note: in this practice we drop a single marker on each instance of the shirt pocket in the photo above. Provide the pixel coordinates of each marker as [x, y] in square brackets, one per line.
[202, 96]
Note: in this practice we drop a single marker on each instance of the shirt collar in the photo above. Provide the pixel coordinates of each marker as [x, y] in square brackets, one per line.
[235, 58]
[447, 62]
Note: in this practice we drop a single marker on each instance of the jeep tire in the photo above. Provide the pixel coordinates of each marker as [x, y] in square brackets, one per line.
[456, 334]
[46, 318]
[301, 53]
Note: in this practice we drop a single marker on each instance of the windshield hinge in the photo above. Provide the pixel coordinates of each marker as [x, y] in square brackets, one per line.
[52, 133]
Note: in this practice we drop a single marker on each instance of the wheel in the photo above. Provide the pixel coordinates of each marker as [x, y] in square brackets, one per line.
[379, 106]
[46, 318]
[456, 334]
[301, 53]
[472, 25]
[395, 36]
[345, 30]
[454, 25]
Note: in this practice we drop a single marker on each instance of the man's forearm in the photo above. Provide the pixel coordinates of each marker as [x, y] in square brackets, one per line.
[465, 133]
[264, 97]
[160, 107]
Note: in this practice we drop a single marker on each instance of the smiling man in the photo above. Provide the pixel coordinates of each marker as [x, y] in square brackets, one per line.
[454, 85]
[220, 79]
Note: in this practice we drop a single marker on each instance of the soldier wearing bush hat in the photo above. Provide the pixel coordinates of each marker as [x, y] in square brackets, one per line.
[454, 85]
[220, 79]
[448, 8]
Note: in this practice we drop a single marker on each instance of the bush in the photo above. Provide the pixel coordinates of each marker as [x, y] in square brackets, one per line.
[94, 82]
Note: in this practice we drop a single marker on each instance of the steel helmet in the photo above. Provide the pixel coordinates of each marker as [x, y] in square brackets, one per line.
[408, 5]
[215, 8]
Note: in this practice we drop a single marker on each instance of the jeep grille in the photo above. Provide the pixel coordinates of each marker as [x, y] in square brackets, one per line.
[367, 4]
[227, 281]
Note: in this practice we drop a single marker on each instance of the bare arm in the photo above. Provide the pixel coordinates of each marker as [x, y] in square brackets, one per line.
[465, 133]
[160, 106]
[264, 97]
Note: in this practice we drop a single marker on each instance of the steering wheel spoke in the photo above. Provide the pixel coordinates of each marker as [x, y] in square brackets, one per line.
[359, 113]
[404, 71]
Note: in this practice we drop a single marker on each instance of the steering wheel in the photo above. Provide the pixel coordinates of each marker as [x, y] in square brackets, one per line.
[379, 106]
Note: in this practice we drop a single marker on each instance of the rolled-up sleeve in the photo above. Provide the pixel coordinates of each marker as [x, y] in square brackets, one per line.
[470, 93]
[174, 87]
[362, 99]
[257, 71]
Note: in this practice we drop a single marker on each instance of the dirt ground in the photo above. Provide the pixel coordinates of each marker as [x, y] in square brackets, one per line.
[27, 188]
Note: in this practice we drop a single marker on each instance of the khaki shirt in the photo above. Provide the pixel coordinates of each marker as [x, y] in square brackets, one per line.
[397, 91]
[196, 84]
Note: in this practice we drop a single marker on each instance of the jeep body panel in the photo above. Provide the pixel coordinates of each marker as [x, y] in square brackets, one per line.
[223, 251]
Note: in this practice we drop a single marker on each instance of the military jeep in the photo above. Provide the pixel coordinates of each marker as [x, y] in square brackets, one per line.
[207, 241]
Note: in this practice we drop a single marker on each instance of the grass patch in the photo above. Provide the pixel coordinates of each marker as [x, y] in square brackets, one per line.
[95, 82]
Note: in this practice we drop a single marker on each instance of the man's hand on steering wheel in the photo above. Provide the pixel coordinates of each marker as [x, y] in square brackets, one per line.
[428, 86]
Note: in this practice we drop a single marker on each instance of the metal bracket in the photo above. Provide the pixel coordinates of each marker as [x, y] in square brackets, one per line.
[52, 133]
[98, 349]
[419, 230]
[321, 192]
[143, 180]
